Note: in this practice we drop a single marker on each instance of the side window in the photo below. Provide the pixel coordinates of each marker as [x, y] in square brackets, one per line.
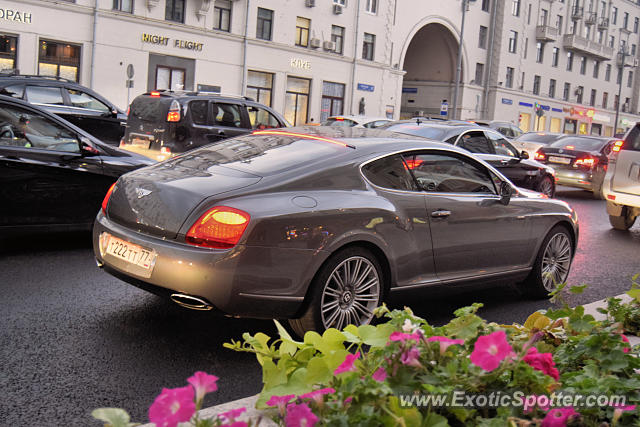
[227, 115]
[44, 95]
[199, 111]
[15, 91]
[506, 131]
[389, 172]
[501, 145]
[632, 141]
[451, 140]
[24, 128]
[84, 100]
[441, 172]
[475, 142]
[261, 118]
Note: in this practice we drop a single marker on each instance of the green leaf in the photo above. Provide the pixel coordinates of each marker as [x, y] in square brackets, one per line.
[577, 289]
[464, 327]
[376, 336]
[410, 415]
[295, 385]
[635, 294]
[318, 372]
[332, 340]
[114, 417]
[435, 420]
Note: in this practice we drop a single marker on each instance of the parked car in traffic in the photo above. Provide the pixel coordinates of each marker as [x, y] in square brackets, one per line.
[506, 128]
[162, 124]
[533, 141]
[356, 121]
[488, 145]
[319, 224]
[621, 187]
[53, 175]
[579, 161]
[73, 102]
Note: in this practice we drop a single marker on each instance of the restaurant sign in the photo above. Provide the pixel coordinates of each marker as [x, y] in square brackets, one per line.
[15, 15]
[164, 41]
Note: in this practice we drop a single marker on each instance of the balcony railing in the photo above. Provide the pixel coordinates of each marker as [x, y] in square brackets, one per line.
[577, 12]
[591, 19]
[603, 24]
[546, 33]
[587, 47]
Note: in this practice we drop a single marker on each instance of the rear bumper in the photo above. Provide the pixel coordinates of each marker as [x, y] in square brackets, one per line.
[261, 282]
[574, 178]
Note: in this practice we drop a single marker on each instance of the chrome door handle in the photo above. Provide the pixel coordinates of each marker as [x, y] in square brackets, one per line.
[440, 214]
[504, 162]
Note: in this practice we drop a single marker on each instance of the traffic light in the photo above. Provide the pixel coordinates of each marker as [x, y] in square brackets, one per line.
[539, 110]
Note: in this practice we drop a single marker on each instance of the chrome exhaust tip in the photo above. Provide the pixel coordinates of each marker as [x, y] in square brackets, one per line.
[191, 302]
[99, 263]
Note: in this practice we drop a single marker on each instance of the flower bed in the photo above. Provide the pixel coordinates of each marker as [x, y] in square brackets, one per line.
[561, 367]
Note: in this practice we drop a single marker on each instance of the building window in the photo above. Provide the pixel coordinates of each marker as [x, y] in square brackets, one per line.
[222, 16]
[515, 7]
[636, 23]
[264, 24]
[485, 5]
[600, 36]
[539, 52]
[552, 88]
[174, 10]
[479, 73]
[633, 49]
[625, 106]
[371, 7]
[592, 99]
[123, 5]
[332, 100]
[583, 65]
[8, 50]
[368, 46]
[565, 91]
[607, 73]
[522, 81]
[554, 57]
[509, 78]
[579, 93]
[625, 20]
[337, 37]
[169, 78]
[482, 37]
[544, 16]
[513, 41]
[559, 24]
[569, 61]
[302, 31]
[296, 103]
[612, 41]
[59, 59]
[260, 86]
[340, 2]
[614, 15]
[619, 76]
[616, 99]
[536, 85]
[526, 47]
[630, 79]
[605, 99]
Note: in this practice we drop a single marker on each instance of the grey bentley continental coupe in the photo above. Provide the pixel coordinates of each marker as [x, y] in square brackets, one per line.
[319, 225]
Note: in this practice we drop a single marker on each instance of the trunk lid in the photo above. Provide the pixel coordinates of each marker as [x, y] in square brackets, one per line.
[146, 123]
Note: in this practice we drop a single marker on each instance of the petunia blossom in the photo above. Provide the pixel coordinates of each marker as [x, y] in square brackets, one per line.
[401, 336]
[236, 424]
[625, 340]
[347, 365]
[348, 400]
[203, 383]
[172, 406]
[316, 395]
[299, 416]
[408, 326]
[379, 375]
[232, 414]
[444, 342]
[619, 409]
[559, 417]
[542, 362]
[490, 350]
[410, 357]
[280, 401]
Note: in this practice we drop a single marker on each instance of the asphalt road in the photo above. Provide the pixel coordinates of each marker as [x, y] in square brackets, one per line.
[73, 338]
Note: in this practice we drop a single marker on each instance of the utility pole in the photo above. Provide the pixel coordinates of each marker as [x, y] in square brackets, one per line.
[465, 6]
[622, 56]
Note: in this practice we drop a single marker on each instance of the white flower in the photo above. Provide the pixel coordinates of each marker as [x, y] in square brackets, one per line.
[408, 327]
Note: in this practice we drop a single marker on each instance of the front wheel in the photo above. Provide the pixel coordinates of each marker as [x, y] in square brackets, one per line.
[624, 221]
[552, 263]
[346, 290]
[546, 186]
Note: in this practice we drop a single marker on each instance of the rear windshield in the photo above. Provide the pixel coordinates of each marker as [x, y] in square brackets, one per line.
[149, 109]
[580, 144]
[423, 131]
[539, 138]
[332, 121]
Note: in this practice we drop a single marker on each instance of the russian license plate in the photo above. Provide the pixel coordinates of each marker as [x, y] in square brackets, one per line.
[563, 160]
[129, 252]
[141, 142]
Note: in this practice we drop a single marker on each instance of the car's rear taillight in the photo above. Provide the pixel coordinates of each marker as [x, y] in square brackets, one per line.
[105, 201]
[173, 115]
[588, 162]
[617, 146]
[220, 227]
[539, 156]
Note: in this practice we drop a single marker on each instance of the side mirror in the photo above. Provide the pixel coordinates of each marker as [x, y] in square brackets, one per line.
[505, 193]
[524, 155]
[86, 149]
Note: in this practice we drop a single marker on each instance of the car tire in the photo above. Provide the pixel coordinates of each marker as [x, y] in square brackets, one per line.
[333, 305]
[546, 186]
[622, 222]
[552, 264]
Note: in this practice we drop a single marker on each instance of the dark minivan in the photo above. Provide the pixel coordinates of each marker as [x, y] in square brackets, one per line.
[162, 124]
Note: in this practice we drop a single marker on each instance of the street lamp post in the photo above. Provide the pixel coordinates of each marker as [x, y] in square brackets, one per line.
[465, 6]
[622, 55]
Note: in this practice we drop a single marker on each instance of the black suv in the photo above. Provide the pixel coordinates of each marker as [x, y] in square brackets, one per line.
[164, 123]
[69, 100]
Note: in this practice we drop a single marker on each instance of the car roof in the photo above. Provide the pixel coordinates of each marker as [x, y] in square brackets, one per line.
[170, 94]
[359, 119]
[439, 124]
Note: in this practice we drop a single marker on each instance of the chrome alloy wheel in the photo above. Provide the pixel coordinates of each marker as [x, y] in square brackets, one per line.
[546, 187]
[556, 261]
[350, 294]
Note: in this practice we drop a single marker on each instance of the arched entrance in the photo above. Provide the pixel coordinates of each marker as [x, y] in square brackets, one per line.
[430, 65]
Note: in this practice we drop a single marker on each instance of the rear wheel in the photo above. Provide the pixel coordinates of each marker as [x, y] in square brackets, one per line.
[346, 290]
[624, 221]
[552, 263]
[546, 186]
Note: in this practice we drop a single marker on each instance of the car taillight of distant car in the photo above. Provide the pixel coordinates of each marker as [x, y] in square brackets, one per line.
[588, 162]
[539, 156]
[617, 146]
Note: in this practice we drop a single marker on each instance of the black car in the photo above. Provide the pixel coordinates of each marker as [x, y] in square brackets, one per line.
[78, 104]
[164, 123]
[579, 161]
[53, 175]
[488, 145]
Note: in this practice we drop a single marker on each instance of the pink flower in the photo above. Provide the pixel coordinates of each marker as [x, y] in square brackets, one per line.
[232, 414]
[401, 336]
[280, 401]
[347, 365]
[348, 400]
[316, 395]
[542, 362]
[380, 375]
[172, 406]
[558, 417]
[410, 357]
[203, 383]
[626, 348]
[490, 350]
[624, 407]
[299, 416]
[236, 424]
[444, 342]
